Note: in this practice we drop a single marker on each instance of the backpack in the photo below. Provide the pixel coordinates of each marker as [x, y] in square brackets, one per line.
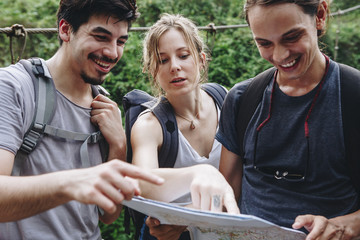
[350, 102]
[134, 103]
[45, 104]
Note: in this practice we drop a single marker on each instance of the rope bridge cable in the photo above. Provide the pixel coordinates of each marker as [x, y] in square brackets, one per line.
[342, 12]
[9, 30]
[19, 31]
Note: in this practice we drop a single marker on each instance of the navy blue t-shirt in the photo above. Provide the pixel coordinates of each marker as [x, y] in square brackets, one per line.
[281, 145]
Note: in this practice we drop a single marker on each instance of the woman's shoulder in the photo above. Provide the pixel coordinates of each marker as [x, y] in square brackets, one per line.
[147, 127]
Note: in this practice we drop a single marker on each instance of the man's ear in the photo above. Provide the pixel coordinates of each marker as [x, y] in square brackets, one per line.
[64, 30]
[321, 15]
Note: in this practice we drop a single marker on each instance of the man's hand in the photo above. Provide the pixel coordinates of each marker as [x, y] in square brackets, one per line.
[106, 115]
[105, 185]
[345, 227]
[162, 231]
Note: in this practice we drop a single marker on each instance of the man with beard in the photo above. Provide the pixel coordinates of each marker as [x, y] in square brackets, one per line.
[39, 204]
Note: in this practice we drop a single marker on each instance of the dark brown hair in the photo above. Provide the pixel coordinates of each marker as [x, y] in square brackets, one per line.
[308, 6]
[78, 12]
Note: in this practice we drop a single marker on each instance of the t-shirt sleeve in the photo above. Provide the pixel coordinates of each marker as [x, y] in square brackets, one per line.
[16, 101]
[227, 132]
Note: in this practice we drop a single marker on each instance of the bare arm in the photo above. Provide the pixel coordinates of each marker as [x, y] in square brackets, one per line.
[105, 185]
[232, 169]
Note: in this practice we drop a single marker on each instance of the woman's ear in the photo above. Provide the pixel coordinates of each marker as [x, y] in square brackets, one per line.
[202, 59]
[321, 15]
[64, 30]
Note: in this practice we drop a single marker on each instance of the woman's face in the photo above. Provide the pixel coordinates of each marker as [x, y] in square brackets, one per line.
[287, 38]
[178, 72]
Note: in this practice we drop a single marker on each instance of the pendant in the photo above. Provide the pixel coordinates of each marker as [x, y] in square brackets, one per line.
[192, 125]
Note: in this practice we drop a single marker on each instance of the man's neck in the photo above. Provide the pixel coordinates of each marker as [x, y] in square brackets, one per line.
[68, 82]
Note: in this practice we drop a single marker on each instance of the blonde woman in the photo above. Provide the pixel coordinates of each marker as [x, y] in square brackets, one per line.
[175, 59]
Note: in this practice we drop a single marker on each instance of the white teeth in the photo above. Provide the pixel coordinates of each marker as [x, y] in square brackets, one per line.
[102, 64]
[290, 64]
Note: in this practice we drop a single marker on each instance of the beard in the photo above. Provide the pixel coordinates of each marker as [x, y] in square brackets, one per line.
[92, 80]
[101, 76]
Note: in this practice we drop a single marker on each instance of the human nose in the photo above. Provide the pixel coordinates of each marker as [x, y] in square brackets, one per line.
[111, 51]
[280, 53]
[175, 66]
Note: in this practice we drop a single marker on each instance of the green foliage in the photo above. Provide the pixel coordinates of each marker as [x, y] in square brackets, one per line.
[116, 230]
[234, 56]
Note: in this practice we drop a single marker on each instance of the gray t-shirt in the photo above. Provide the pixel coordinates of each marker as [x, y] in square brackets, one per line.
[281, 145]
[72, 220]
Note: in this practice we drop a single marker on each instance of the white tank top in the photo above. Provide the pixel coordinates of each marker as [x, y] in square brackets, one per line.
[187, 156]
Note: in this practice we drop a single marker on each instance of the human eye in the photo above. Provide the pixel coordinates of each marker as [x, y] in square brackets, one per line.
[121, 42]
[292, 38]
[184, 56]
[100, 37]
[264, 44]
[163, 60]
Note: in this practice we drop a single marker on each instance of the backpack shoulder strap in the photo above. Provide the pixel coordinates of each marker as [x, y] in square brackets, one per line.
[166, 116]
[250, 99]
[133, 104]
[45, 106]
[350, 102]
[45, 101]
[103, 144]
[136, 102]
[216, 91]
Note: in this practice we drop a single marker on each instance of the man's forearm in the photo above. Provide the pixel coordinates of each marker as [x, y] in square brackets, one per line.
[22, 197]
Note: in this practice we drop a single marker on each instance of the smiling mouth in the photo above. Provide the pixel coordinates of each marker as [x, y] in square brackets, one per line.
[289, 64]
[102, 64]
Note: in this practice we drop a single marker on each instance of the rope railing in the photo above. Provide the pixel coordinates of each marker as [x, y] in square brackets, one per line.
[10, 30]
[342, 12]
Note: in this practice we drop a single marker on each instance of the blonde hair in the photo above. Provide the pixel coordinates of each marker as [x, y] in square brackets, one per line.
[151, 54]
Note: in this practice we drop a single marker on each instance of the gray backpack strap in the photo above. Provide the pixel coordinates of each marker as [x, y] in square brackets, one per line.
[86, 138]
[45, 104]
[45, 101]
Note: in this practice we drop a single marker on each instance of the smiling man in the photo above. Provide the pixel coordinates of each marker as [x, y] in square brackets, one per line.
[56, 194]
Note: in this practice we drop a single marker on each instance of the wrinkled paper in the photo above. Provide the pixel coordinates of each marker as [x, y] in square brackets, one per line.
[210, 225]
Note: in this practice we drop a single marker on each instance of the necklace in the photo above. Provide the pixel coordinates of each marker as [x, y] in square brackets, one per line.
[192, 125]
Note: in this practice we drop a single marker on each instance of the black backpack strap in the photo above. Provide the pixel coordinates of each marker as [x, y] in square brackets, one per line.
[103, 144]
[250, 99]
[133, 104]
[350, 102]
[216, 91]
[45, 101]
[166, 116]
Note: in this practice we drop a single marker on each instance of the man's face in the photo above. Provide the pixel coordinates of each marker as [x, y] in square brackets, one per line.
[96, 47]
[287, 38]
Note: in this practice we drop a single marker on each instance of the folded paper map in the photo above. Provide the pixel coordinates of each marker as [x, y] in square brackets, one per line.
[210, 225]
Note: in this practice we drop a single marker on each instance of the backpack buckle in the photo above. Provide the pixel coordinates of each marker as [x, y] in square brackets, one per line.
[32, 137]
[38, 68]
[30, 141]
[94, 137]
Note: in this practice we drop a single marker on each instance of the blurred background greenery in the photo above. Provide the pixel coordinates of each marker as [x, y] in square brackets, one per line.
[234, 56]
